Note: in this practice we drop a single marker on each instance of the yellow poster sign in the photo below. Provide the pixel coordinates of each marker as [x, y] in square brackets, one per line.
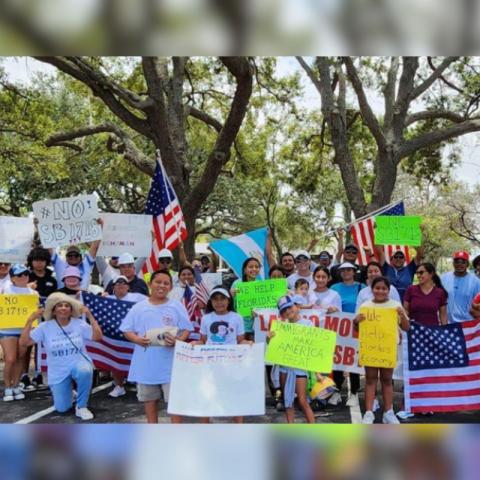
[15, 310]
[378, 337]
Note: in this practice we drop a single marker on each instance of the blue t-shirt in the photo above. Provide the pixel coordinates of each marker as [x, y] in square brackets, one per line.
[402, 278]
[348, 294]
[62, 354]
[153, 365]
[461, 291]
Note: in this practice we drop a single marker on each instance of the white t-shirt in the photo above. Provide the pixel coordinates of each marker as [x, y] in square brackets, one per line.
[62, 354]
[326, 299]
[291, 279]
[153, 365]
[11, 289]
[4, 282]
[366, 294]
[222, 329]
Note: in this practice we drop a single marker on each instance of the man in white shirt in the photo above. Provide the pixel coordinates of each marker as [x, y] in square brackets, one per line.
[302, 261]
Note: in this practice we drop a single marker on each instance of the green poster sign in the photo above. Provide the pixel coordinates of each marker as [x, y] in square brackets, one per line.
[258, 294]
[398, 230]
[299, 346]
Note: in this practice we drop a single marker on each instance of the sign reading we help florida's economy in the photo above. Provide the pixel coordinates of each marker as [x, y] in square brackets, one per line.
[378, 337]
[67, 221]
[16, 235]
[258, 294]
[398, 230]
[217, 380]
[126, 233]
[300, 346]
[15, 310]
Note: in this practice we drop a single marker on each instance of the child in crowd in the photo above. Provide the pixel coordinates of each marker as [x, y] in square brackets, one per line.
[302, 298]
[292, 380]
[323, 297]
[151, 366]
[381, 290]
[221, 325]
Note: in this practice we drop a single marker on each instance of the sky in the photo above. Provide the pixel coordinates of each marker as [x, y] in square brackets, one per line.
[22, 69]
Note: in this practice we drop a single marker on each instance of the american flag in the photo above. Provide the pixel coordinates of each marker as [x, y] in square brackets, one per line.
[442, 367]
[363, 235]
[191, 300]
[112, 352]
[168, 223]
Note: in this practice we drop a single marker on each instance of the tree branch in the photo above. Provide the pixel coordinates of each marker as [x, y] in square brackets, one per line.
[309, 72]
[204, 117]
[367, 113]
[436, 74]
[432, 114]
[437, 136]
[389, 93]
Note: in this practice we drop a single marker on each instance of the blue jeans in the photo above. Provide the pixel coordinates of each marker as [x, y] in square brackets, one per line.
[82, 373]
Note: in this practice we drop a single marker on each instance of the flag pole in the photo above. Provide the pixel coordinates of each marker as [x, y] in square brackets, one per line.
[375, 212]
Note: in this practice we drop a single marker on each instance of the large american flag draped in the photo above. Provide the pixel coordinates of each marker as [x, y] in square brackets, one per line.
[168, 223]
[363, 235]
[442, 367]
[191, 299]
[113, 352]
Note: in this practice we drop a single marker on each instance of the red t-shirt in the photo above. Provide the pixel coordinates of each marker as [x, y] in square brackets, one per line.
[423, 308]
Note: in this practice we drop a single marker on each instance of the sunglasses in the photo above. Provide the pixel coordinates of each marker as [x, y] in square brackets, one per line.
[459, 260]
[399, 257]
[301, 260]
[164, 260]
[351, 250]
[73, 255]
[20, 274]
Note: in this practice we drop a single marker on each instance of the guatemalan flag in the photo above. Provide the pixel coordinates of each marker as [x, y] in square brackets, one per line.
[442, 367]
[236, 250]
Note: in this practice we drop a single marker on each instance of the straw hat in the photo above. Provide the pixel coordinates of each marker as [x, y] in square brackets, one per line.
[59, 297]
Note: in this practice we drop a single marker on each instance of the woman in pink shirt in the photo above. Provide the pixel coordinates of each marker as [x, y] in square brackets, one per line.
[426, 303]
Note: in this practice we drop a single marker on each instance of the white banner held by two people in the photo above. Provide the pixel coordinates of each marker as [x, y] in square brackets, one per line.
[16, 236]
[217, 380]
[67, 221]
[126, 233]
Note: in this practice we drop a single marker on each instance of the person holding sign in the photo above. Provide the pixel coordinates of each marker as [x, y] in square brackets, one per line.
[293, 381]
[250, 270]
[381, 289]
[221, 325]
[14, 355]
[64, 334]
[151, 365]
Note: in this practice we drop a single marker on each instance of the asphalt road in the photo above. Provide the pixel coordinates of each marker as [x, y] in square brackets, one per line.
[36, 408]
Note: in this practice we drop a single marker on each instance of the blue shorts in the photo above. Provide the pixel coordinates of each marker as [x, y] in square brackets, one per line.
[9, 335]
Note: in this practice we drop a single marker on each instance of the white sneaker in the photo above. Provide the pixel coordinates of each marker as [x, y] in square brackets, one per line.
[352, 400]
[118, 391]
[403, 415]
[84, 413]
[8, 395]
[376, 405]
[368, 418]
[18, 394]
[390, 418]
[335, 399]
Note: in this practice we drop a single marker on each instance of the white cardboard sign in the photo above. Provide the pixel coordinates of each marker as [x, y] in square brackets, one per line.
[16, 235]
[126, 233]
[67, 221]
[217, 380]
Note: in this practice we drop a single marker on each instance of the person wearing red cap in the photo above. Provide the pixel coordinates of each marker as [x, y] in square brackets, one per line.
[461, 286]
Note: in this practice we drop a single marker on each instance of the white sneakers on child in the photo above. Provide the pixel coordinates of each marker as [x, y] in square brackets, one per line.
[335, 399]
[368, 418]
[12, 394]
[84, 413]
[118, 391]
[390, 418]
[352, 400]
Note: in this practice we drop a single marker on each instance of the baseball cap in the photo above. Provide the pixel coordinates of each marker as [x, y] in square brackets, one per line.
[461, 254]
[351, 246]
[324, 255]
[125, 258]
[398, 253]
[345, 265]
[120, 279]
[71, 272]
[17, 269]
[73, 249]
[165, 253]
[220, 290]
[302, 253]
[284, 303]
[115, 257]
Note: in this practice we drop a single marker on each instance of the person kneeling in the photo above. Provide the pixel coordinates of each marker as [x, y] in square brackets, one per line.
[64, 334]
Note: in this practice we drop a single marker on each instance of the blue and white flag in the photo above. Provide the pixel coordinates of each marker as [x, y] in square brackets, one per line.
[236, 250]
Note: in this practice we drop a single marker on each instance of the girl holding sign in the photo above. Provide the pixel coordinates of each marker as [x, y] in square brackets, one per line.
[293, 380]
[381, 290]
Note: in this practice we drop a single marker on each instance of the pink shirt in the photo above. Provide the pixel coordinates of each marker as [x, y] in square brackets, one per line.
[424, 309]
